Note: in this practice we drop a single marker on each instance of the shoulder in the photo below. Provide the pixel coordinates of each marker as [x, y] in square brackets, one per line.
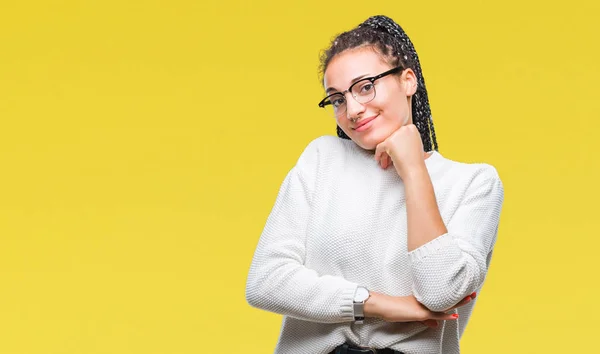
[478, 177]
[324, 147]
[328, 143]
[316, 160]
[471, 170]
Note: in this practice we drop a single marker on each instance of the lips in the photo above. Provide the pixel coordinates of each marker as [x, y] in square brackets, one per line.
[364, 122]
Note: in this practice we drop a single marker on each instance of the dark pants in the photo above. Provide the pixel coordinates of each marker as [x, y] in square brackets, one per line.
[351, 349]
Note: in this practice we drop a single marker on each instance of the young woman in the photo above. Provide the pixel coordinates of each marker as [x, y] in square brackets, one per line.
[376, 243]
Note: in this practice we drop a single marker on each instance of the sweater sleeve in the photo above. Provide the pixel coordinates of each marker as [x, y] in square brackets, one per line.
[447, 269]
[278, 281]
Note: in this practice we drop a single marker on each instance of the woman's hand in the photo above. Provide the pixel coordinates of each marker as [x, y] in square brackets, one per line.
[434, 323]
[403, 149]
[408, 309]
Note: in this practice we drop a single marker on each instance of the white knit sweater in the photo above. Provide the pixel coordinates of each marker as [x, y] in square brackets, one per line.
[340, 221]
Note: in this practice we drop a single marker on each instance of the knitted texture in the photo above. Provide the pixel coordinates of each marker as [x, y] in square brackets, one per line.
[339, 221]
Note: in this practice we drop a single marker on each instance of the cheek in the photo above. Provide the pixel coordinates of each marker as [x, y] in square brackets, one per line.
[395, 103]
[393, 111]
[388, 125]
[391, 119]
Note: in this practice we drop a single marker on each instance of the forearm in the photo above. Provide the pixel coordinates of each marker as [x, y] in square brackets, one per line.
[424, 220]
[373, 305]
[451, 262]
[296, 291]
[278, 282]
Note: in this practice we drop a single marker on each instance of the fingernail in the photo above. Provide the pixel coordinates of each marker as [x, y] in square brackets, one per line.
[455, 315]
[473, 295]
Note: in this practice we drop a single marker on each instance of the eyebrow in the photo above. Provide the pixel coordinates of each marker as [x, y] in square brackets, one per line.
[329, 89]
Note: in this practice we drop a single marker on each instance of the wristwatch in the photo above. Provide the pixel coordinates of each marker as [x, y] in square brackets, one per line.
[360, 297]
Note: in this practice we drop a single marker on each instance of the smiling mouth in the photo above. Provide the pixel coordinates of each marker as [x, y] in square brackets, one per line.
[364, 122]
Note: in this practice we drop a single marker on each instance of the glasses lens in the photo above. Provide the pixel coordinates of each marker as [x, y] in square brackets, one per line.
[337, 106]
[364, 91]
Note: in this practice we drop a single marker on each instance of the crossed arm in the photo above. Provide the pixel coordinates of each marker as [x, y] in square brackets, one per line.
[449, 261]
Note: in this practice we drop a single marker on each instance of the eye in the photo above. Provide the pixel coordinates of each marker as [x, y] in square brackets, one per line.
[337, 100]
[366, 88]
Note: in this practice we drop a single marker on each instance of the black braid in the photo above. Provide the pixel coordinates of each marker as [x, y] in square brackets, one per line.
[388, 38]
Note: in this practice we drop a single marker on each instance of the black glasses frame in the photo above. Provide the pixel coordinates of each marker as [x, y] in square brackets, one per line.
[324, 102]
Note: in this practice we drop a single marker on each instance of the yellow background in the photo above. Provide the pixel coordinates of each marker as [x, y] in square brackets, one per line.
[142, 144]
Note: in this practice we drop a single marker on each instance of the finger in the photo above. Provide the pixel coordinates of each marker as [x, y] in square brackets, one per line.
[379, 150]
[442, 316]
[386, 162]
[462, 302]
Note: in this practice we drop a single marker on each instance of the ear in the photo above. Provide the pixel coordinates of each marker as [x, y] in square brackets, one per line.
[409, 80]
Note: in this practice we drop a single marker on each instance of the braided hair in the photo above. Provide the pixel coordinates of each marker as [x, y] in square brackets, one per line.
[389, 39]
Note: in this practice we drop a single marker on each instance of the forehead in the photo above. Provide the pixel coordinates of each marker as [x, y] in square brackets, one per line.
[350, 64]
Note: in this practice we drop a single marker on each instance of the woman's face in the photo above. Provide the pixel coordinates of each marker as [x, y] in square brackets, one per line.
[376, 120]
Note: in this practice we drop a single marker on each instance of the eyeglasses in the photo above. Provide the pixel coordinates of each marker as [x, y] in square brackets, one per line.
[363, 92]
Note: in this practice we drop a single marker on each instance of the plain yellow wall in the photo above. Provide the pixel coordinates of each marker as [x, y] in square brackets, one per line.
[142, 144]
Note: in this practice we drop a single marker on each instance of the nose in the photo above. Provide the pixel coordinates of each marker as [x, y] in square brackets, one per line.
[353, 107]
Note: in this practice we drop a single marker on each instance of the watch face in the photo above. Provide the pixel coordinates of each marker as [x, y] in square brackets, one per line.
[361, 294]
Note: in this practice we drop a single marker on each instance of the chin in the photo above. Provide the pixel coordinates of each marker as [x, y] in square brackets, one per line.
[369, 141]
